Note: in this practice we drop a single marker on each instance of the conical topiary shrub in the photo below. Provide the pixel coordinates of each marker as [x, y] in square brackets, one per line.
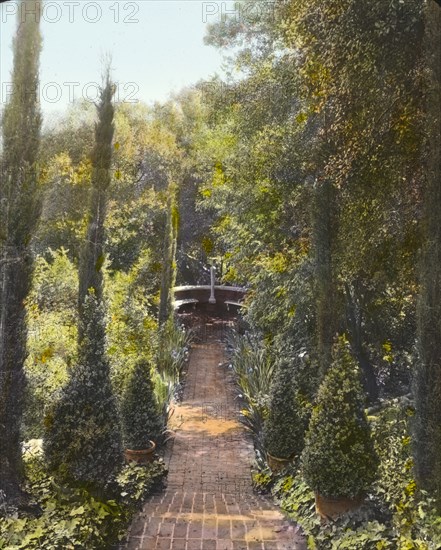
[140, 416]
[339, 458]
[284, 429]
[82, 442]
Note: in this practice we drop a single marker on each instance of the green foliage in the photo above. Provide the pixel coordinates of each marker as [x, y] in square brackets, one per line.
[165, 389]
[395, 516]
[131, 320]
[72, 518]
[173, 348]
[82, 439]
[139, 410]
[137, 482]
[285, 426]
[253, 367]
[51, 340]
[339, 458]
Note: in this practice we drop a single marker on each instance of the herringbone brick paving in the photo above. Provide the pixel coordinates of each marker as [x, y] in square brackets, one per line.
[209, 503]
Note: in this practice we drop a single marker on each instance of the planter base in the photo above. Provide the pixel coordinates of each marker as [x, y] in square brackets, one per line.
[277, 464]
[142, 456]
[331, 508]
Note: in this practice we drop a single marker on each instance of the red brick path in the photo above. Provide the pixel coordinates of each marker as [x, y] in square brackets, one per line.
[209, 503]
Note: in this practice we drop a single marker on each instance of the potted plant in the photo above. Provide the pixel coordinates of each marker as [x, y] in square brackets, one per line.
[284, 428]
[339, 461]
[141, 420]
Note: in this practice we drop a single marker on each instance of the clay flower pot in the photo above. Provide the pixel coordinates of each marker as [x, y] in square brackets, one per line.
[278, 464]
[329, 508]
[141, 456]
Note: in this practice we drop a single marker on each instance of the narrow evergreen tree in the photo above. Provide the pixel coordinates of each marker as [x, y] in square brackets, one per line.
[339, 458]
[168, 278]
[19, 214]
[427, 445]
[92, 255]
[83, 439]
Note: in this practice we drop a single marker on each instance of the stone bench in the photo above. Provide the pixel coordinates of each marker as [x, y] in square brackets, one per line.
[189, 301]
[229, 303]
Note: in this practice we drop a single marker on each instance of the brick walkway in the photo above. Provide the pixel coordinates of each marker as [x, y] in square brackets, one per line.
[209, 503]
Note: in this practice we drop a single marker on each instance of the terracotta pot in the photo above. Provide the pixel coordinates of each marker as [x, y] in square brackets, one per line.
[331, 508]
[278, 464]
[141, 456]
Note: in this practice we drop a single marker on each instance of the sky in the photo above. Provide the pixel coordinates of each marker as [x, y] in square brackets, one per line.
[156, 47]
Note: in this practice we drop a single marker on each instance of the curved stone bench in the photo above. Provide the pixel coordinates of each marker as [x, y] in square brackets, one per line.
[225, 296]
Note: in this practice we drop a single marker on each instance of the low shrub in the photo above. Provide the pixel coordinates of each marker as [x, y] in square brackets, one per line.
[72, 518]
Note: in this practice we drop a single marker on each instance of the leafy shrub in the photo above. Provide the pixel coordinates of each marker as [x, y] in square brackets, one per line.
[253, 369]
[140, 416]
[72, 518]
[55, 282]
[52, 333]
[339, 457]
[253, 366]
[174, 342]
[284, 429]
[395, 516]
[164, 390]
[82, 440]
[137, 482]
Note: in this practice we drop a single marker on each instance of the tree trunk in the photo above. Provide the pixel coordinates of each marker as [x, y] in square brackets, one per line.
[355, 324]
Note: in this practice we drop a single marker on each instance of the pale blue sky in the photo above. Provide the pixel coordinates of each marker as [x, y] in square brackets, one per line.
[161, 51]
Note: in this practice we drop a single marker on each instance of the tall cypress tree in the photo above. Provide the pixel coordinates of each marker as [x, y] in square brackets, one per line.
[92, 255]
[83, 438]
[20, 207]
[168, 277]
[427, 445]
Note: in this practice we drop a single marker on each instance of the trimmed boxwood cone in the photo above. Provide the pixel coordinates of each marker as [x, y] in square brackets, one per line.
[339, 460]
[141, 420]
[284, 429]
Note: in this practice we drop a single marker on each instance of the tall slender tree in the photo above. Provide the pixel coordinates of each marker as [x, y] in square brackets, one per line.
[168, 277]
[19, 214]
[92, 256]
[427, 447]
[83, 439]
